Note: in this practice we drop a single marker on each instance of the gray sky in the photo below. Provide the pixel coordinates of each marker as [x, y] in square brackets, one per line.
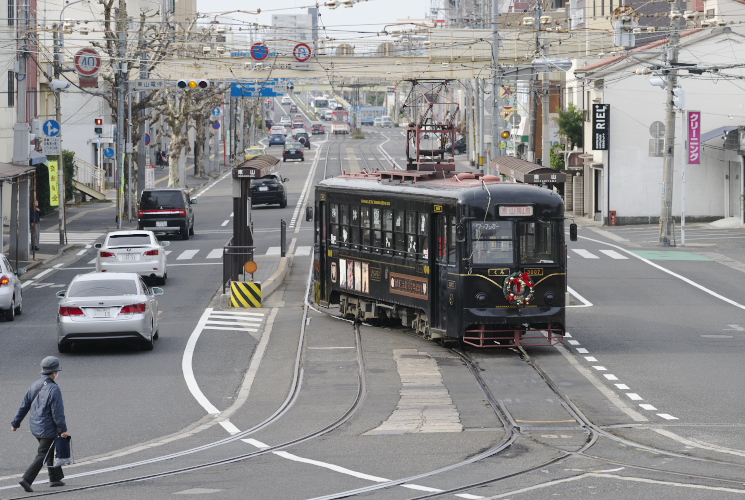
[369, 15]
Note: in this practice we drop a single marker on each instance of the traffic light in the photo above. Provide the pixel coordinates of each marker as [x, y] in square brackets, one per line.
[505, 134]
[193, 84]
[98, 126]
[679, 97]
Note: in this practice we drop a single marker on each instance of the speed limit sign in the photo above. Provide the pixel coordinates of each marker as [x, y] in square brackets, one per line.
[87, 62]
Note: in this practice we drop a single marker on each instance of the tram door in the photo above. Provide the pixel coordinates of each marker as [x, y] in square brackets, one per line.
[442, 302]
[322, 254]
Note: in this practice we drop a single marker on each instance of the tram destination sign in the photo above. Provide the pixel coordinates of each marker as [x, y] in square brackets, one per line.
[515, 211]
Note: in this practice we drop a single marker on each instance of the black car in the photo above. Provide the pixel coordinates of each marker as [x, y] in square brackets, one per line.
[317, 128]
[460, 146]
[303, 138]
[268, 123]
[269, 189]
[166, 211]
[293, 150]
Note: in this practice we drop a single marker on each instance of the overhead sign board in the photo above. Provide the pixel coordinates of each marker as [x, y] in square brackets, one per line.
[600, 127]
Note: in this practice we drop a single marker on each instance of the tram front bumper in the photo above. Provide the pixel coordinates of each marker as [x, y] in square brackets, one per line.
[513, 315]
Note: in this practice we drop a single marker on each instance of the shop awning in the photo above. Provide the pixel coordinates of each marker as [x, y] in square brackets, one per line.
[525, 171]
[37, 157]
[9, 171]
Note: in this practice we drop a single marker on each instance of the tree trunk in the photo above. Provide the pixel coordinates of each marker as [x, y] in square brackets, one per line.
[198, 149]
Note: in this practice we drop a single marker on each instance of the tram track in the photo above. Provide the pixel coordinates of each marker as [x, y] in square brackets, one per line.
[290, 400]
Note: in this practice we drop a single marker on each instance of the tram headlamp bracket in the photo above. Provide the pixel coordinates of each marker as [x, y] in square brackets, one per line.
[460, 233]
[572, 232]
[308, 214]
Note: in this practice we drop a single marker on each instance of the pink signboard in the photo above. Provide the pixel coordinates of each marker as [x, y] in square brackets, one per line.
[694, 137]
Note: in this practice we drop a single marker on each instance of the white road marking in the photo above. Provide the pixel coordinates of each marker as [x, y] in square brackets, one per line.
[645, 406]
[667, 416]
[634, 396]
[82, 251]
[215, 254]
[188, 370]
[600, 368]
[233, 323]
[573, 342]
[303, 250]
[614, 255]
[335, 468]
[225, 223]
[610, 376]
[237, 319]
[239, 313]
[568, 335]
[584, 253]
[256, 443]
[582, 350]
[187, 254]
[274, 251]
[324, 348]
[43, 273]
[231, 328]
[622, 387]
[228, 426]
[585, 302]
[26, 283]
[591, 359]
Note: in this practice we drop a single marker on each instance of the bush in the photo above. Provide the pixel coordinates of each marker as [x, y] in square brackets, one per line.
[358, 136]
[557, 159]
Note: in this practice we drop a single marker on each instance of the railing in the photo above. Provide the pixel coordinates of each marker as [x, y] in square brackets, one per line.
[233, 259]
[92, 176]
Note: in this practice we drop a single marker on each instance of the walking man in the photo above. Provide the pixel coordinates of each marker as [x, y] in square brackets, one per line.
[47, 421]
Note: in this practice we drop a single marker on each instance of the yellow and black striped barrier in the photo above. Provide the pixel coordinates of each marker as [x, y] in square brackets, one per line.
[245, 294]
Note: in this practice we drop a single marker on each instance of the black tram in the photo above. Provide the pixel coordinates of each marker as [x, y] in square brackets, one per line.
[453, 256]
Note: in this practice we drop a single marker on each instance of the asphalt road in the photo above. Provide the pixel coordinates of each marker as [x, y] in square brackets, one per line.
[649, 379]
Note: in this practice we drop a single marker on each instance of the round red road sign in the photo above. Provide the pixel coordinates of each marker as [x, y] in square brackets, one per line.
[301, 52]
[259, 51]
[87, 62]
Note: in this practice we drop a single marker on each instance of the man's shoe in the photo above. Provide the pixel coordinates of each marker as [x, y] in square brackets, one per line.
[24, 484]
[56, 483]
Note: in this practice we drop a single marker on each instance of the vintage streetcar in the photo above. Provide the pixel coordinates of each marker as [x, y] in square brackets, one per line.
[457, 257]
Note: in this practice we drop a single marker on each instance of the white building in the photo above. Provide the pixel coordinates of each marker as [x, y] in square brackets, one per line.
[626, 179]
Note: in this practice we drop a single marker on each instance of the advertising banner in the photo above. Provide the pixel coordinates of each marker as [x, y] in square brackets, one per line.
[694, 137]
[600, 127]
[53, 182]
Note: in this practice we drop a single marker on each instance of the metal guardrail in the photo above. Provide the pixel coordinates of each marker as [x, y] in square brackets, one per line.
[92, 176]
[233, 259]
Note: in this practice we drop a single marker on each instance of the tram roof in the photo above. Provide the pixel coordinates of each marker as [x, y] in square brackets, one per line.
[460, 186]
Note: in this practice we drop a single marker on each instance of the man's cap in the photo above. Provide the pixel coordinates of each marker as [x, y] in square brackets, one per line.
[50, 364]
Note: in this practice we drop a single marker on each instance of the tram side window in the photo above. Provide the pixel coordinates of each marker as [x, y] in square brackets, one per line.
[411, 234]
[442, 239]
[399, 227]
[492, 242]
[423, 233]
[344, 235]
[334, 220]
[451, 241]
[388, 231]
[377, 234]
[366, 227]
[354, 227]
[537, 245]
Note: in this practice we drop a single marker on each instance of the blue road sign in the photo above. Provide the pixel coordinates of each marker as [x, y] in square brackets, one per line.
[216, 125]
[259, 51]
[147, 139]
[51, 128]
[216, 112]
[251, 90]
[108, 152]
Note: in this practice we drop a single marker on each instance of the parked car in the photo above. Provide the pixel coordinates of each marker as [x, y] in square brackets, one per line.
[317, 128]
[460, 146]
[166, 211]
[286, 99]
[99, 306]
[303, 138]
[277, 139]
[293, 150]
[293, 107]
[253, 152]
[133, 252]
[11, 293]
[269, 189]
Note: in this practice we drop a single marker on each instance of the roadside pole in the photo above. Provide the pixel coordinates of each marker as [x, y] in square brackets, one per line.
[496, 117]
[121, 89]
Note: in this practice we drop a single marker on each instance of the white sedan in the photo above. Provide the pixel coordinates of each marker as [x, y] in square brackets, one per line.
[133, 252]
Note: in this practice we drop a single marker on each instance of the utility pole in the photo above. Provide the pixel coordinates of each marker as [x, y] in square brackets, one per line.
[496, 117]
[57, 72]
[143, 158]
[121, 92]
[666, 209]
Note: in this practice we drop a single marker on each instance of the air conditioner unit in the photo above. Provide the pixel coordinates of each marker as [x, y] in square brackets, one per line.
[721, 22]
[206, 49]
[545, 19]
[528, 21]
[689, 15]
[675, 15]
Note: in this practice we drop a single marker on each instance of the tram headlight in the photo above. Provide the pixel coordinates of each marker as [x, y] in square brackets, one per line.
[482, 298]
[549, 298]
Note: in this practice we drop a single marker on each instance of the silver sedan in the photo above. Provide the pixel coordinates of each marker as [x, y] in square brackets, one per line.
[11, 294]
[133, 252]
[100, 306]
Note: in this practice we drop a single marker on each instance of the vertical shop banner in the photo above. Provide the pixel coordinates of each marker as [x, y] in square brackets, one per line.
[53, 167]
[600, 127]
[694, 137]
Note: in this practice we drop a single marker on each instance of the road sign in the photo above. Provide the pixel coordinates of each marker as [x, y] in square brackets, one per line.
[259, 51]
[149, 176]
[108, 152]
[253, 90]
[51, 128]
[301, 52]
[150, 84]
[216, 112]
[216, 125]
[87, 62]
[657, 129]
[51, 145]
[147, 139]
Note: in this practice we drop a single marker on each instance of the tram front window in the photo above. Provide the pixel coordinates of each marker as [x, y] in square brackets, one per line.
[538, 243]
[492, 242]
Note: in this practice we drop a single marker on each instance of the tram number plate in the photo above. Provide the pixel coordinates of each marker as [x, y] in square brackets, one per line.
[512, 211]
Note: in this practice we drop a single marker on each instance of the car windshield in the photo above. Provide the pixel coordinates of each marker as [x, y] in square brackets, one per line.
[161, 199]
[492, 242]
[293, 145]
[100, 288]
[277, 136]
[128, 240]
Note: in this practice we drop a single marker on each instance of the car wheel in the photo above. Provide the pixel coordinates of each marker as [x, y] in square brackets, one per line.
[302, 159]
[185, 234]
[155, 335]
[10, 314]
[283, 203]
[191, 229]
[64, 347]
[161, 281]
[147, 345]
[19, 307]
[284, 159]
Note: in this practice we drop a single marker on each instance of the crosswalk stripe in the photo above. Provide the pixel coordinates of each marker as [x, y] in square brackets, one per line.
[168, 252]
[239, 313]
[233, 323]
[244, 320]
[215, 254]
[614, 255]
[72, 237]
[303, 250]
[584, 253]
[274, 251]
[187, 254]
[252, 330]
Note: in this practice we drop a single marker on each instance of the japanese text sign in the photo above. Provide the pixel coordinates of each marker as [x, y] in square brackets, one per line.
[694, 137]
